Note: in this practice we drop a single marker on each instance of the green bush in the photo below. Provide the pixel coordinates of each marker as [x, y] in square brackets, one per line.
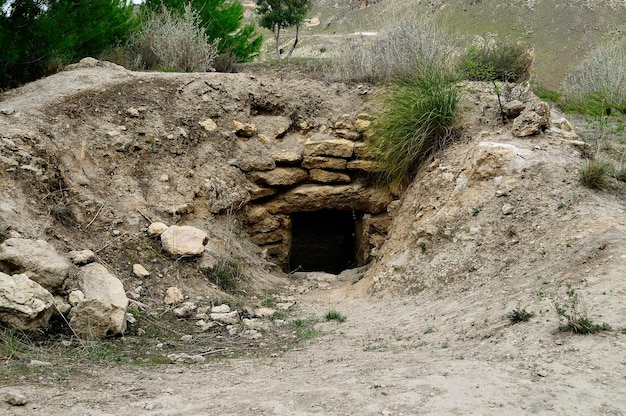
[227, 274]
[496, 61]
[574, 312]
[598, 83]
[172, 41]
[399, 49]
[416, 117]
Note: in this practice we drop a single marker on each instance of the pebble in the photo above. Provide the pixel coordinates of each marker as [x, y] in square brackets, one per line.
[15, 399]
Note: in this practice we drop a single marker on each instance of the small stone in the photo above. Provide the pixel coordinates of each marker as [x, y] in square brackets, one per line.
[81, 257]
[208, 124]
[244, 129]
[61, 305]
[156, 229]
[204, 325]
[507, 209]
[264, 312]
[75, 297]
[183, 358]
[140, 271]
[173, 296]
[186, 338]
[229, 318]
[130, 318]
[15, 399]
[164, 178]
[185, 310]
[37, 363]
[221, 309]
[133, 112]
[141, 332]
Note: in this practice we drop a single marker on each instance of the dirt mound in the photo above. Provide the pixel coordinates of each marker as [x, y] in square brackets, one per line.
[493, 224]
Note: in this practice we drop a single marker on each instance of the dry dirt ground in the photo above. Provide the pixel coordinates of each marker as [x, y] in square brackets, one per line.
[417, 341]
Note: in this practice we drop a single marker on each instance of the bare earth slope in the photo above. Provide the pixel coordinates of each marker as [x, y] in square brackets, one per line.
[494, 223]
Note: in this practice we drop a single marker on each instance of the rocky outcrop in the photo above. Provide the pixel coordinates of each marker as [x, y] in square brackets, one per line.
[24, 304]
[35, 258]
[102, 312]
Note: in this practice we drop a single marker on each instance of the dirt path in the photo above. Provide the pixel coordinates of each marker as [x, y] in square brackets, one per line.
[432, 354]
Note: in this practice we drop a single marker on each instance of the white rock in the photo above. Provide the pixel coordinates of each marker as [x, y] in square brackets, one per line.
[24, 304]
[130, 318]
[61, 306]
[186, 338]
[37, 363]
[507, 209]
[15, 399]
[205, 326]
[156, 229]
[185, 310]
[81, 257]
[229, 318]
[140, 271]
[253, 323]
[37, 259]
[221, 309]
[264, 312]
[173, 296]
[208, 124]
[183, 241]
[182, 358]
[75, 297]
[103, 312]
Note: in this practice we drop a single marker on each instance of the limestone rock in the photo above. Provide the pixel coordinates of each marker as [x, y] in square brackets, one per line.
[103, 312]
[183, 358]
[208, 124]
[183, 241]
[286, 156]
[81, 257]
[513, 108]
[173, 296]
[256, 192]
[323, 162]
[15, 399]
[253, 156]
[324, 176]
[360, 150]
[223, 308]
[75, 297]
[264, 312]
[343, 197]
[228, 318]
[329, 147]
[37, 259]
[507, 209]
[140, 271]
[156, 229]
[24, 304]
[256, 214]
[533, 120]
[61, 306]
[495, 159]
[267, 225]
[361, 125]
[364, 165]
[272, 126]
[244, 129]
[185, 310]
[280, 177]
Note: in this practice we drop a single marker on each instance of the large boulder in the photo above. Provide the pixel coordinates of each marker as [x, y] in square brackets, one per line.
[24, 304]
[183, 241]
[103, 311]
[35, 258]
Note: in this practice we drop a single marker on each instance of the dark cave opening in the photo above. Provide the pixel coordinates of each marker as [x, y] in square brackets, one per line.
[323, 241]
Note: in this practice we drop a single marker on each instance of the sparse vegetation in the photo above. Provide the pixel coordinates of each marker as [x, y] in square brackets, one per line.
[227, 274]
[595, 173]
[397, 51]
[304, 328]
[280, 14]
[416, 119]
[519, 314]
[334, 315]
[574, 312]
[489, 60]
[598, 84]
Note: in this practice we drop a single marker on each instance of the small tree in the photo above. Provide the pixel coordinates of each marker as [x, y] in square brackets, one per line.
[281, 14]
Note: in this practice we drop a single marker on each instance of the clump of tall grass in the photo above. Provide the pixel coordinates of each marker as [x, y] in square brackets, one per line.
[398, 49]
[171, 41]
[595, 174]
[598, 83]
[417, 112]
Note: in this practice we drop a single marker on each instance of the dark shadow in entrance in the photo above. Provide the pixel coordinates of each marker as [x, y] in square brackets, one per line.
[323, 241]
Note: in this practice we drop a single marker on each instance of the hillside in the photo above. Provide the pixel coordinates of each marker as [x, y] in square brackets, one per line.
[93, 156]
[561, 32]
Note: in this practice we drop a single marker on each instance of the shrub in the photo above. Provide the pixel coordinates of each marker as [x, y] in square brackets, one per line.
[335, 316]
[518, 315]
[168, 40]
[417, 113]
[574, 312]
[598, 83]
[397, 50]
[227, 274]
[595, 174]
[496, 61]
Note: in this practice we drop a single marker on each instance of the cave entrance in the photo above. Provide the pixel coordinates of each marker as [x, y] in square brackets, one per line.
[324, 241]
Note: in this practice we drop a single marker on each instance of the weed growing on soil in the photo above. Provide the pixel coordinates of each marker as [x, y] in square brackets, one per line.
[227, 274]
[304, 328]
[576, 317]
[429, 330]
[334, 315]
[595, 173]
[418, 111]
[518, 315]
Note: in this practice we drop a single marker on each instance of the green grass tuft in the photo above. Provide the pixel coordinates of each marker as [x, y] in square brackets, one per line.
[335, 316]
[418, 111]
[595, 173]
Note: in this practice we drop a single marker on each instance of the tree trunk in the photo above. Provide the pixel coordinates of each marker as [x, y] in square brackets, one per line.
[277, 37]
[295, 42]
